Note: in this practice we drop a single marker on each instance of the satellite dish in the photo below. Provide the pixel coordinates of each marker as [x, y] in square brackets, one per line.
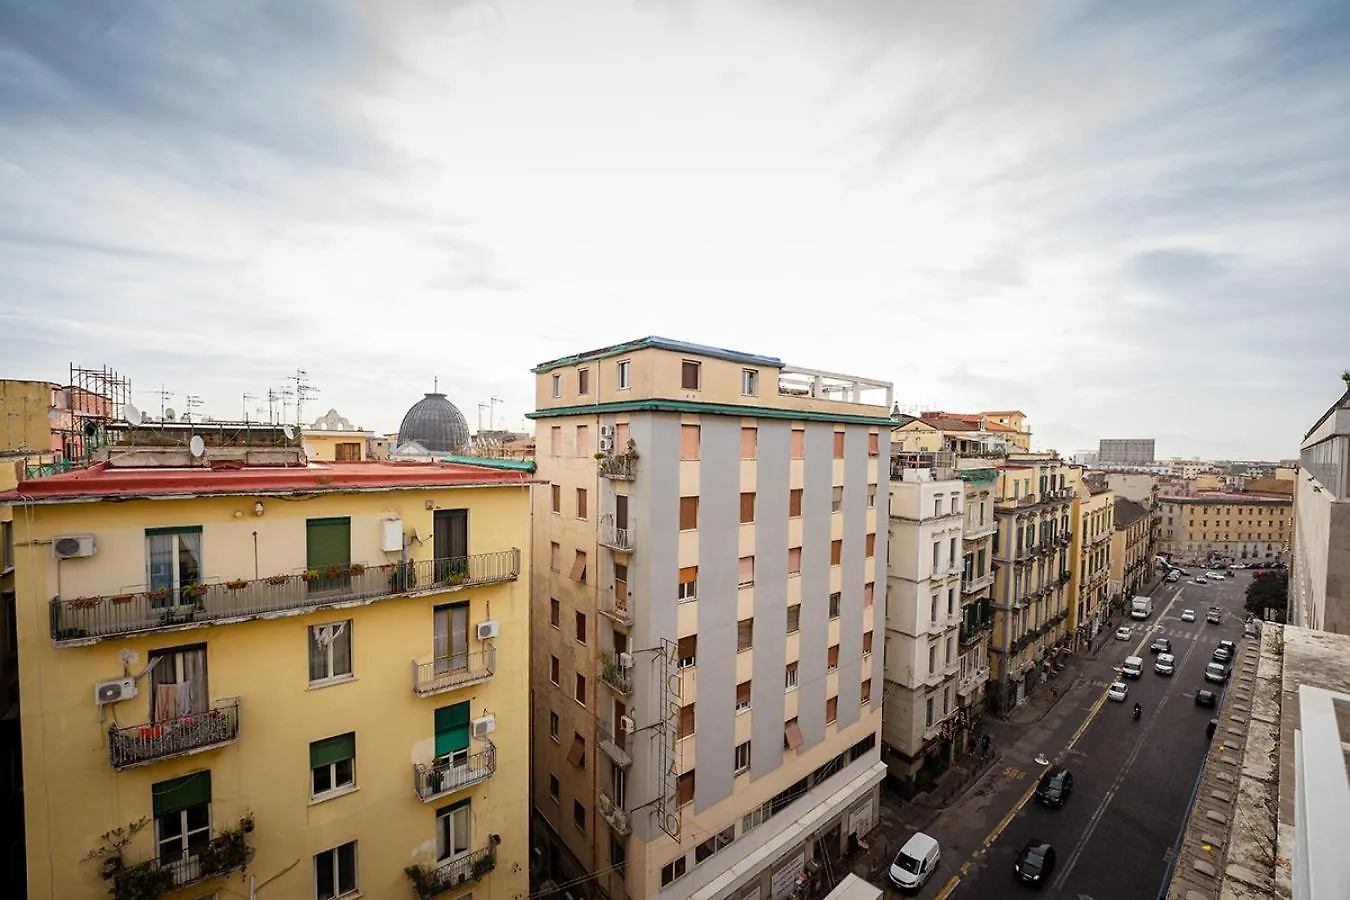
[289, 431]
[170, 415]
[196, 446]
[310, 451]
[131, 414]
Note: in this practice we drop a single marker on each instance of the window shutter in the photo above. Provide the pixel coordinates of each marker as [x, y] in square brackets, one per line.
[328, 542]
[452, 729]
[333, 749]
[178, 794]
[688, 574]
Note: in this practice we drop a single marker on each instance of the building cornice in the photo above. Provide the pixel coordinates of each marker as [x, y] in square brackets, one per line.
[720, 409]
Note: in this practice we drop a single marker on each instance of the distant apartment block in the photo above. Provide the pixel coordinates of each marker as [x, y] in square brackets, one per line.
[1216, 526]
[1125, 452]
[709, 599]
[1319, 584]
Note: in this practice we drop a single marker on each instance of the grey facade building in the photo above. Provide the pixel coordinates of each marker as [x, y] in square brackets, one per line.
[1125, 452]
[1319, 578]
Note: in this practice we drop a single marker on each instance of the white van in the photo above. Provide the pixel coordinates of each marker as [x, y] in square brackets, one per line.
[915, 863]
[1133, 667]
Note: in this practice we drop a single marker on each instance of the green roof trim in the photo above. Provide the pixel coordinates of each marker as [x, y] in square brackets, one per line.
[483, 462]
[977, 474]
[721, 409]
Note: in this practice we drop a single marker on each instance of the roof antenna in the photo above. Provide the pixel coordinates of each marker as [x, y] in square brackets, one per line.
[436, 384]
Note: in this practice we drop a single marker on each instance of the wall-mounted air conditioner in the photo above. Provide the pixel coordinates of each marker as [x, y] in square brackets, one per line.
[626, 724]
[114, 691]
[607, 431]
[73, 546]
[391, 535]
[606, 443]
[484, 725]
[625, 660]
[489, 629]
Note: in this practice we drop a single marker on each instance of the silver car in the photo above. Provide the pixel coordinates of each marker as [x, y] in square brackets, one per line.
[1165, 664]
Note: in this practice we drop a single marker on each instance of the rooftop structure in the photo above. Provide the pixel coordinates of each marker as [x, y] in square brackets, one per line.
[435, 424]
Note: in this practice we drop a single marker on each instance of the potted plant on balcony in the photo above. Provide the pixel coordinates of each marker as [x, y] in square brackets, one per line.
[333, 572]
[424, 881]
[277, 580]
[356, 570]
[484, 864]
[120, 599]
[310, 575]
[236, 584]
[193, 591]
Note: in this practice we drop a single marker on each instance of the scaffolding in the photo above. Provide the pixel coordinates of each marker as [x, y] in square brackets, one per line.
[92, 399]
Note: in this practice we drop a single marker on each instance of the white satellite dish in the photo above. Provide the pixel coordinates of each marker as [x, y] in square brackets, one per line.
[131, 414]
[289, 431]
[310, 451]
[170, 415]
[196, 446]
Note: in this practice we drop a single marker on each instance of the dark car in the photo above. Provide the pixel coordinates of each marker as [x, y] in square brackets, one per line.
[1211, 728]
[1229, 646]
[1055, 787]
[1035, 863]
[1206, 698]
[1161, 645]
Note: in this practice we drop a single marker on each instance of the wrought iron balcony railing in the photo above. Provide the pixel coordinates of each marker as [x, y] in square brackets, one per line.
[224, 852]
[618, 677]
[432, 881]
[616, 604]
[137, 745]
[616, 537]
[447, 673]
[978, 582]
[972, 631]
[614, 746]
[620, 468]
[99, 617]
[431, 782]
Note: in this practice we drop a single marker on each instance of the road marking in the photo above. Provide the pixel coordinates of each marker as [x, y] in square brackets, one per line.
[1012, 773]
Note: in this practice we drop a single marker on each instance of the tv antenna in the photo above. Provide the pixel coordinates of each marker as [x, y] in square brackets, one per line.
[303, 391]
[481, 407]
[248, 397]
[191, 401]
[273, 398]
[163, 396]
[493, 402]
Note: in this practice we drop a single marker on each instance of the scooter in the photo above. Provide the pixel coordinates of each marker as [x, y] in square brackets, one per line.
[1138, 711]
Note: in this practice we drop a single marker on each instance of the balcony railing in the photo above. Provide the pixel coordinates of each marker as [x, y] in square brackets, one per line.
[618, 677]
[615, 815]
[971, 631]
[620, 468]
[224, 852]
[614, 536]
[137, 745]
[432, 881]
[977, 583]
[99, 617]
[616, 604]
[439, 779]
[615, 747]
[447, 673]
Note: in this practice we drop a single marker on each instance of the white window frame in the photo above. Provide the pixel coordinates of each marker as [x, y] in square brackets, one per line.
[336, 789]
[624, 376]
[183, 839]
[334, 858]
[445, 827]
[326, 635]
[686, 591]
[749, 382]
[836, 602]
[741, 758]
[557, 385]
[791, 677]
[745, 707]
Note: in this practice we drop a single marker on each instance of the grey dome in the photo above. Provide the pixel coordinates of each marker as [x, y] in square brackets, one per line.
[436, 424]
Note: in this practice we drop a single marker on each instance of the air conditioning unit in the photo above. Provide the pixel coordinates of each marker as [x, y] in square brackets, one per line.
[625, 660]
[489, 629]
[484, 726]
[607, 431]
[113, 691]
[626, 724]
[72, 546]
[606, 443]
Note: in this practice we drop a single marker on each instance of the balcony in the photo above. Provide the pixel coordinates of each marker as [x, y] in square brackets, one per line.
[978, 583]
[84, 620]
[449, 673]
[618, 677]
[615, 815]
[433, 881]
[226, 851]
[616, 604]
[615, 537]
[444, 778]
[972, 631]
[619, 468]
[615, 747]
[974, 532]
[138, 745]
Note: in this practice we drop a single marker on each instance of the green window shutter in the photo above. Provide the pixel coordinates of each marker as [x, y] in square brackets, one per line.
[178, 794]
[452, 729]
[333, 749]
[328, 542]
[184, 529]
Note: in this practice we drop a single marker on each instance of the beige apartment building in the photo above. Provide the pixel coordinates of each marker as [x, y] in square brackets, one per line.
[1215, 527]
[1131, 548]
[1094, 521]
[1034, 510]
[1319, 578]
[711, 547]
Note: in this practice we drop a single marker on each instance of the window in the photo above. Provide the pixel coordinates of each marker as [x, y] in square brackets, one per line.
[672, 871]
[581, 628]
[873, 444]
[870, 547]
[618, 854]
[790, 676]
[689, 441]
[579, 816]
[688, 586]
[794, 618]
[553, 724]
[555, 497]
[871, 496]
[581, 503]
[625, 374]
[579, 690]
[691, 375]
[684, 788]
[837, 498]
[688, 651]
[332, 764]
[6, 545]
[867, 690]
[951, 602]
[838, 445]
[554, 612]
[583, 440]
[937, 554]
[867, 643]
[928, 713]
[836, 552]
[937, 506]
[688, 513]
[869, 591]
[579, 567]
[553, 669]
[450, 637]
[330, 652]
[452, 732]
[951, 554]
[832, 657]
[749, 442]
[794, 560]
[557, 385]
[173, 558]
[932, 659]
[335, 872]
[747, 507]
[555, 556]
[742, 758]
[831, 710]
[951, 650]
[577, 755]
[687, 720]
[583, 381]
[795, 502]
[746, 571]
[182, 808]
[933, 608]
[555, 440]
[554, 788]
[792, 734]
[835, 599]
[178, 683]
[745, 634]
[749, 383]
[743, 696]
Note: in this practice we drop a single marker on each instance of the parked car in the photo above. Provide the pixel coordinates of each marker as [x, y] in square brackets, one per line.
[1228, 645]
[1211, 728]
[1216, 576]
[1165, 664]
[1118, 691]
[1205, 697]
[1161, 645]
[1216, 672]
[1124, 633]
[915, 863]
[1222, 655]
[1188, 615]
[1035, 863]
[1238, 566]
[1200, 579]
[1055, 786]
[1173, 577]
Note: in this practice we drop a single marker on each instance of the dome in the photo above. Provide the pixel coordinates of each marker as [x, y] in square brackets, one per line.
[436, 424]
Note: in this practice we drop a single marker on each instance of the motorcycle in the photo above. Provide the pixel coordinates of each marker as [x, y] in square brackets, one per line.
[1138, 711]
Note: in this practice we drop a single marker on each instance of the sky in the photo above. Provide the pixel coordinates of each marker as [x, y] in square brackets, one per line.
[1124, 219]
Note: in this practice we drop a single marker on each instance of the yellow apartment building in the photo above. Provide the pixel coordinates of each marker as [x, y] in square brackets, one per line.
[710, 577]
[1131, 549]
[1033, 509]
[978, 435]
[11, 751]
[318, 669]
[1214, 527]
[1094, 524]
[333, 438]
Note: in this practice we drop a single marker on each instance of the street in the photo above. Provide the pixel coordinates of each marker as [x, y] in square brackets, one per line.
[1133, 779]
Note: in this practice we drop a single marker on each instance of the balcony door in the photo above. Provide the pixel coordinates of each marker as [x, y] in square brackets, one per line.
[173, 563]
[182, 809]
[328, 553]
[450, 542]
[178, 683]
[621, 511]
[450, 641]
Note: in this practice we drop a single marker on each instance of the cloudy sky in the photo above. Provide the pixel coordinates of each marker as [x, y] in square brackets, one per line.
[1125, 219]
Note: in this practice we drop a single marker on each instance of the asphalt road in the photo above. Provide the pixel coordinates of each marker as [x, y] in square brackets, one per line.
[1133, 780]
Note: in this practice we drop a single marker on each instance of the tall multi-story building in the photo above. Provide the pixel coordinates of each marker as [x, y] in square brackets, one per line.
[232, 656]
[1090, 571]
[1034, 509]
[977, 589]
[1214, 527]
[1131, 548]
[12, 882]
[1319, 577]
[706, 684]
[1125, 452]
